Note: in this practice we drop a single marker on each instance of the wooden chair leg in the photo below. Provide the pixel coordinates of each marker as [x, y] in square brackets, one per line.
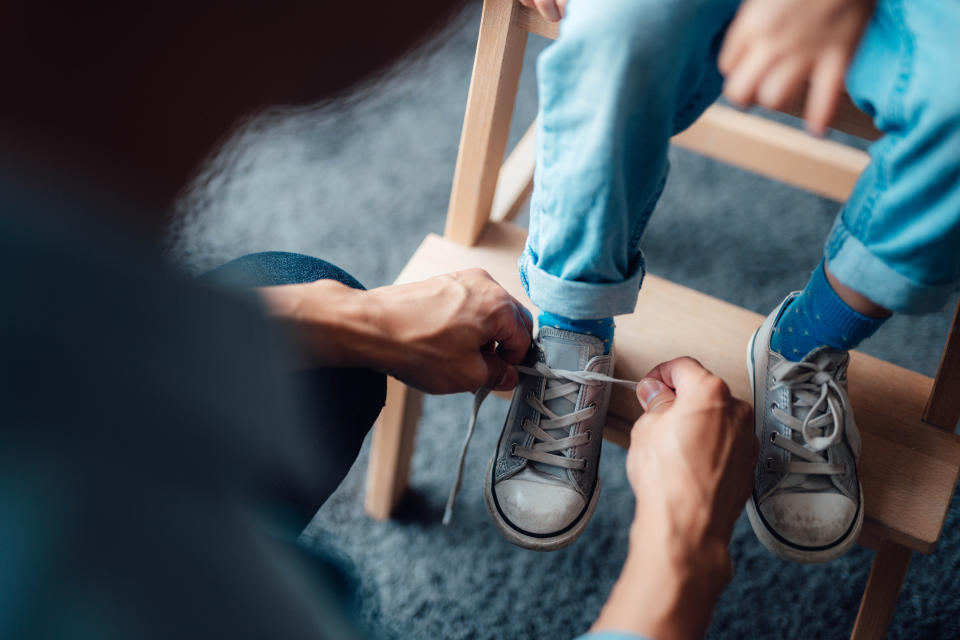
[515, 183]
[943, 407]
[883, 587]
[392, 449]
[486, 124]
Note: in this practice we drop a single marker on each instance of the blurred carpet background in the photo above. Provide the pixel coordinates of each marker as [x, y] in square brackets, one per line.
[359, 182]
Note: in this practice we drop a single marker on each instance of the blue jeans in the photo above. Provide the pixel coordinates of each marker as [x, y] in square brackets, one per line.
[625, 75]
[342, 403]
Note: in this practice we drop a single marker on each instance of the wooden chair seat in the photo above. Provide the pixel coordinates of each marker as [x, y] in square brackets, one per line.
[908, 468]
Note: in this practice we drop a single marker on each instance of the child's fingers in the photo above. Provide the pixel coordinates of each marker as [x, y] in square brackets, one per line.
[741, 85]
[548, 9]
[734, 46]
[826, 82]
[783, 81]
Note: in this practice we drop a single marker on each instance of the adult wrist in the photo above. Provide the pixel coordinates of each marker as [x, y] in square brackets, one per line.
[666, 589]
[330, 319]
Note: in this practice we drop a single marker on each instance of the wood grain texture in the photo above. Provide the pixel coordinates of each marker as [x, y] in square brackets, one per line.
[391, 449]
[890, 566]
[943, 407]
[486, 124]
[775, 150]
[847, 117]
[908, 468]
[515, 183]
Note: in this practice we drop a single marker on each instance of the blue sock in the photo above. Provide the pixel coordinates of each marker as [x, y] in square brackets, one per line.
[601, 328]
[817, 317]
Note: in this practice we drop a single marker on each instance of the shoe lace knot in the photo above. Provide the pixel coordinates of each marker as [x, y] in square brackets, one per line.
[813, 386]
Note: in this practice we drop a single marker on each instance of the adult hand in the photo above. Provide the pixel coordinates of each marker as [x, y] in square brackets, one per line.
[451, 333]
[552, 10]
[774, 47]
[690, 465]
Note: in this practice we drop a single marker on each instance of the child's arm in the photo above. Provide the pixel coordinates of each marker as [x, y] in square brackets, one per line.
[775, 47]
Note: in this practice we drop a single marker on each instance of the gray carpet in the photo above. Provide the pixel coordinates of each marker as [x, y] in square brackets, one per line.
[360, 183]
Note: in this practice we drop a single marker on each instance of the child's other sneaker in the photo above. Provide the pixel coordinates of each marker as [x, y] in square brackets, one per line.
[541, 485]
[807, 503]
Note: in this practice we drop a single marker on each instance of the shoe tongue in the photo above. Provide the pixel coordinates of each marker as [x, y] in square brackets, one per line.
[827, 358]
[570, 351]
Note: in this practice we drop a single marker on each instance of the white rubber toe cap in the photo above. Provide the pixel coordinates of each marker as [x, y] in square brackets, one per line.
[809, 519]
[538, 503]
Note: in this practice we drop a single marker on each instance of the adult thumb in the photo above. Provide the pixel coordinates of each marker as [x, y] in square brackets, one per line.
[654, 395]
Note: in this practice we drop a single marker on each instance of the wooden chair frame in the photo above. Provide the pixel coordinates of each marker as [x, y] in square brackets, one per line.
[905, 417]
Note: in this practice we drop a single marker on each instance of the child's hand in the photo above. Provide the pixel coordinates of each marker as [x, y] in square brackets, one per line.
[774, 47]
[552, 10]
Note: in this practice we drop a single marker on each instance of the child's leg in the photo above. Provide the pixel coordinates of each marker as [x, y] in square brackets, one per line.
[897, 240]
[894, 247]
[621, 79]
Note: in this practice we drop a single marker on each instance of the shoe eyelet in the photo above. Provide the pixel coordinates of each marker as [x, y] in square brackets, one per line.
[769, 464]
[773, 436]
[774, 405]
[589, 436]
[586, 465]
[513, 448]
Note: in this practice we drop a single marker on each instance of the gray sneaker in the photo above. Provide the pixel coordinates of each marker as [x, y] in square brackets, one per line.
[807, 503]
[541, 485]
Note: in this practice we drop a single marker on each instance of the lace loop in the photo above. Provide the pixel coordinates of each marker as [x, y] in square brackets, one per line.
[812, 385]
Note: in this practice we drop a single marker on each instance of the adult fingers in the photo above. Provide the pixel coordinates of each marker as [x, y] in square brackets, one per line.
[654, 395]
[826, 83]
[525, 314]
[688, 378]
[501, 375]
[511, 332]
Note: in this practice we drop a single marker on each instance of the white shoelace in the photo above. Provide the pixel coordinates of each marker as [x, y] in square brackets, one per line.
[560, 383]
[811, 385]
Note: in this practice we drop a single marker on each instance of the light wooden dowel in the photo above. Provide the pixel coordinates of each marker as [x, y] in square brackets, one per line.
[516, 178]
[943, 407]
[775, 150]
[486, 124]
[883, 587]
[391, 449]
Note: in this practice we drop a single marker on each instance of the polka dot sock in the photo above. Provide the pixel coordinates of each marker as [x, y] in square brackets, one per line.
[818, 317]
[601, 328]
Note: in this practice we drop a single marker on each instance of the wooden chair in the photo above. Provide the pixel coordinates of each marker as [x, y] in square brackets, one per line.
[911, 456]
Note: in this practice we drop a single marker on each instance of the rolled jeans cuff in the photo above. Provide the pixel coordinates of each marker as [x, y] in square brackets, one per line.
[579, 300]
[855, 266]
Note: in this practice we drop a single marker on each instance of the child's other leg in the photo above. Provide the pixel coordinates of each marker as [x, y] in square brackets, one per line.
[897, 240]
[896, 243]
[621, 79]
[894, 247]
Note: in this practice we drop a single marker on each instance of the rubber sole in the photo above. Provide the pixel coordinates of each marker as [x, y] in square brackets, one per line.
[769, 539]
[535, 543]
